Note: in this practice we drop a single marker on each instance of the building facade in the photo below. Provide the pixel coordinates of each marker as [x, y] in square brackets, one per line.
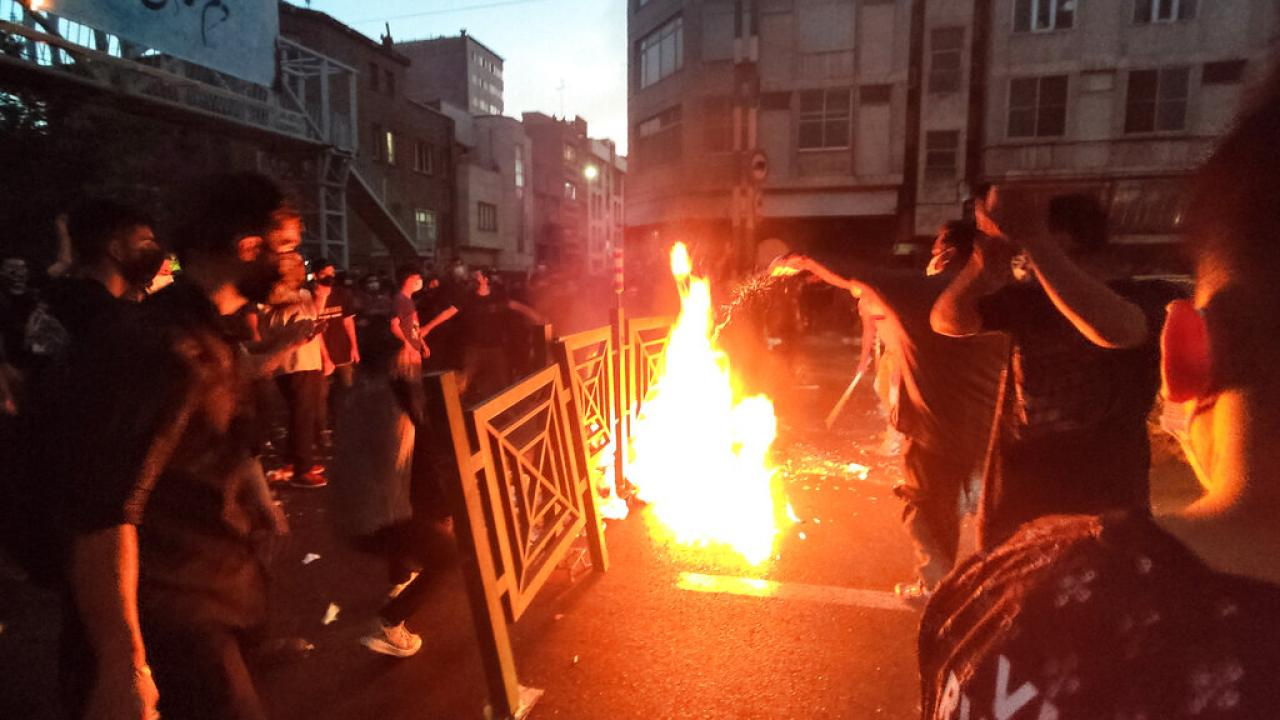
[561, 152]
[401, 183]
[495, 200]
[604, 179]
[458, 70]
[860, 125]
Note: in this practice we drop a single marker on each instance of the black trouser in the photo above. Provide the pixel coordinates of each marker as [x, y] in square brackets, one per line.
[932, 489]
[333, 392]
[423, 544]
[303, 394]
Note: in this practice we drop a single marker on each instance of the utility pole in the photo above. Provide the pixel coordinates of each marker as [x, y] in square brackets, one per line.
[745, 202]
[906, 229]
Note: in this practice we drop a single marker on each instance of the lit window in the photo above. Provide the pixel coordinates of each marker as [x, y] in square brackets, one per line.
[946, 47]
[661, 52]
[1157, 100]
[1043, 15]
[487, 216]
[941, 150]
[1038, 106]
[389, 143]
[1163, 11]
[570, 191]
[519, 169]
[426, 230]
[570, 153]
[824, 118]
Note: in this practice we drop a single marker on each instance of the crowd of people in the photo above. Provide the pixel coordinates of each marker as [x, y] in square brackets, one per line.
[137, 406]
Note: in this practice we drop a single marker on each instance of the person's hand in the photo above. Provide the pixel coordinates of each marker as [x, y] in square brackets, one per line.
[426, 351]
[327, 366]
[1016, 217]
[789, 265]
[277, 520]
[355, 355]
[122, 692]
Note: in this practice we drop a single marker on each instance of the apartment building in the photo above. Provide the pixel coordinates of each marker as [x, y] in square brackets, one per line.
[459, 70]
[859, 125]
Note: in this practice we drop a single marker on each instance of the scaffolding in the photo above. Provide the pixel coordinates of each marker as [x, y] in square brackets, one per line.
[307, 119]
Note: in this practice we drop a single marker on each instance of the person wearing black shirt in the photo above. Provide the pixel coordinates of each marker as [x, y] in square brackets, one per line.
[338, 315]
[1071, 434]
[1124, 615]
[163, 568]
[115, 253]
[943, 402]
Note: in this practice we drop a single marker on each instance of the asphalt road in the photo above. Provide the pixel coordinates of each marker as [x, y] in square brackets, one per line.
[666, 633]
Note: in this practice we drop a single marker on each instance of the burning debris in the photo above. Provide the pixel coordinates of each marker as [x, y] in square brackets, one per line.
[700, 448]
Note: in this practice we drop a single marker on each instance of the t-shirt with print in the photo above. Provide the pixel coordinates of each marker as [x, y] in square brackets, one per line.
[339, 306]
[1098, 618]
[307, 356]
[1071, 433]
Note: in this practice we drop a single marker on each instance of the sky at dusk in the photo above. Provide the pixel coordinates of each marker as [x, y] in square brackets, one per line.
[582, 43]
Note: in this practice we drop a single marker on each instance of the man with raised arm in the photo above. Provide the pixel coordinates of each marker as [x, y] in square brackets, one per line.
[1122, 615]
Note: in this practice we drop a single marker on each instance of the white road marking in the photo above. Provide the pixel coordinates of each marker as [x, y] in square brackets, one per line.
[754, 587]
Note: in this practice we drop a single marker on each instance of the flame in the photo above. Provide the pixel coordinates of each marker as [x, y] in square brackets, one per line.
[699, 450]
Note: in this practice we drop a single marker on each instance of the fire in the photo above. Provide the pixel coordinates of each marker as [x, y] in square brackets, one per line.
[700, 451]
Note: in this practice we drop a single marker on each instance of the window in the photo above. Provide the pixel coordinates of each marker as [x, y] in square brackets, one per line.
[519, 168]
[659, 138]
[941, 149]
[661, 52]
[824, 118]
[423, 158]
[1226, 72]
[1043, 15]
[1038, 106]
[570, 191]
[379, 144]
[717, 124]
[946, 47]
[1163, 11]
[1157, 100]
[487, 216]
[391, 84]
[426, 230]
[570, 153]
[389, 144]
[375, 75]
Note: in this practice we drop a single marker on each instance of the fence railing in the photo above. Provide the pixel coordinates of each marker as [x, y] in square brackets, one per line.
[531, 465]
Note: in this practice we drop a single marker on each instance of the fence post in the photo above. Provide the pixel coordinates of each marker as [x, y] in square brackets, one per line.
[543, 336]
[476, 562]
[622, 367]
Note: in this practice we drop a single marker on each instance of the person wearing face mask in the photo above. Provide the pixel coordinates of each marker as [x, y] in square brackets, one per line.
[166, 584]
[116, 255]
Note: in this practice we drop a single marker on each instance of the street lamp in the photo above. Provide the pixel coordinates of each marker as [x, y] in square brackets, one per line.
[590, 172]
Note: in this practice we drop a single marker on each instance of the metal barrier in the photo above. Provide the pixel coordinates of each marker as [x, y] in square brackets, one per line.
[529, 462]
[523, 498]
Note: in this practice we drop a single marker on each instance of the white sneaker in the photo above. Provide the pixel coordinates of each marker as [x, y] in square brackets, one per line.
[393, 640]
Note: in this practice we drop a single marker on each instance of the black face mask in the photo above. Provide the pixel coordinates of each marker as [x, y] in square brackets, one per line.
[325, 281]
[143, 266]
[259, 280]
